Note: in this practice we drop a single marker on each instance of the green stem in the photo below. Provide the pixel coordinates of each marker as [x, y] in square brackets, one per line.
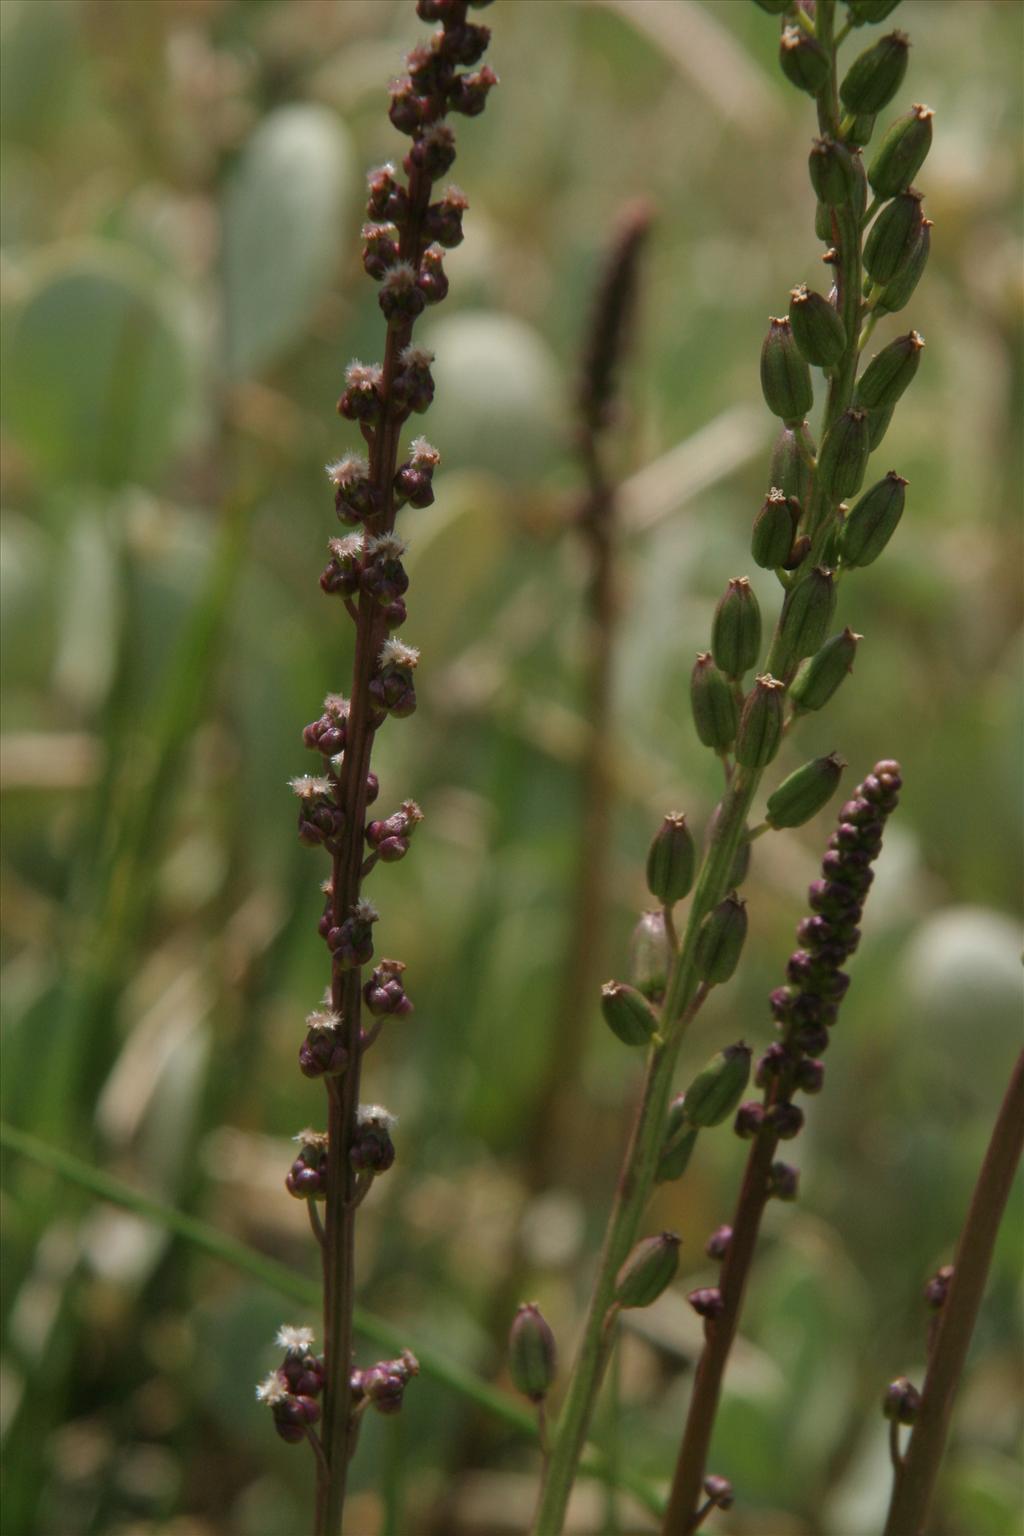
[637, 1177]
[288, 1282]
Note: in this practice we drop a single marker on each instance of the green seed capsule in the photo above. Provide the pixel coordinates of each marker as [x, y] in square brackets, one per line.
[718, 1087]
[715, 711]
[805, 792]
[785, 376]
[760, 732]
[678, 1143]
[648, 1271]
[873, 521]
[822, 673]
[844, 454]
[890, 372]
[671, 860]
[896, 294]
[804, 61]
[806, 615]
[818, 329]
[833, 173]
[878, 424]
[736, 629]
[532, 1354]
[892, 238]
[864, 11]
[876, 75]
[720, 940]
[790, 470]
[774, 530]
[650, 955]
[823, 224]
[628, 1014]
[902, 152]
[860, 129]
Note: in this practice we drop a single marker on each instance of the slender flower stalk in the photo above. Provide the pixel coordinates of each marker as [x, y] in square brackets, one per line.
[802, 667]
[404, 245]
[955, 1293]
[805, 1010]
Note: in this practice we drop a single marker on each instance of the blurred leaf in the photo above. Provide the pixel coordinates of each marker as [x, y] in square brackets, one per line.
[499, 395]
[37, 57]
[284, 220]
[96, 373]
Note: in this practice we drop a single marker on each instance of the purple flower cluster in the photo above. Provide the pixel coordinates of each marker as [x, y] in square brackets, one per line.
[805, 1008]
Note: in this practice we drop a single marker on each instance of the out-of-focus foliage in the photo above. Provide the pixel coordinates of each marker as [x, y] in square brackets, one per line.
[181, 290]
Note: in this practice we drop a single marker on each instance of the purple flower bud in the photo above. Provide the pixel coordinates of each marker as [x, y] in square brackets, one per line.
[384, 993]
[352, 943]
[775, 1059]
[468, 93]
[783, 1182]
[307, 1177]
[936, 1290]
[901, 1401]
[380, 249]
[407, 110]
[433, 152]
[443, 221]
[323, 1051]
[810, 1075]
[719, 1491]
[431, 279]
[707, 1301]
[465, 43]
[372, 1149]
[749, 1119]
[399, 295]
[717, 1245]
[381, 188]
[785, 1120]
[812, 1039]
[413, 387]
[384, 1383]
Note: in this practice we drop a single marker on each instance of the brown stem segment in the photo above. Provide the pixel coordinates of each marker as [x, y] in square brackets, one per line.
[719, 1333]
[914, 1482]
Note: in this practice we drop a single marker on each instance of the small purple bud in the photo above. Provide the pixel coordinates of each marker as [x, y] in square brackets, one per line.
[783, 1182]
[707, 1301]
[810, 1075]
[749, 1119]
[785, 1120]
[936, 1290]
[719, 1491]
[901, 1401]
[717, 1245]
[532, 1353]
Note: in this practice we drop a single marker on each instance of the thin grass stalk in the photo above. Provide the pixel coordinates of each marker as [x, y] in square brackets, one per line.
[916, 1470]
[829, 475]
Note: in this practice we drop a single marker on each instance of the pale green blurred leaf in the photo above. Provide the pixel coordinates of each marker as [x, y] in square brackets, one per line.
[97, 377]
[285, 219]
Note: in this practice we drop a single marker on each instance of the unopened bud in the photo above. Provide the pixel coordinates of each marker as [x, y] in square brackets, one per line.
[718, 1087]
[783, 1182]
[901, 1401]
[833, 173]
[785, 376]
[890, 372]
[804, 61]
[715, 711]
[720, 940]
[872, 522]
[650, 955]
[760, 731]
[678, 1144]
[648, 1271]
[736, 629]
[805, 792]
[671, 860]
[717, 1245]
[532, 1354]
[628, 1014]
[749, 1120]
[817, 326]
[936, 1290]
[806, 615]
[771, 541]
[860, 129]
[902, 152]
[719, 1491]
[844, 454]
[876, 75]
[707, 1301]
[893, 237]
[822, 673]
[898, 291]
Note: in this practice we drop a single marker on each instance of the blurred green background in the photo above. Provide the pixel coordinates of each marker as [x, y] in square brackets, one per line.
[182, 189]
